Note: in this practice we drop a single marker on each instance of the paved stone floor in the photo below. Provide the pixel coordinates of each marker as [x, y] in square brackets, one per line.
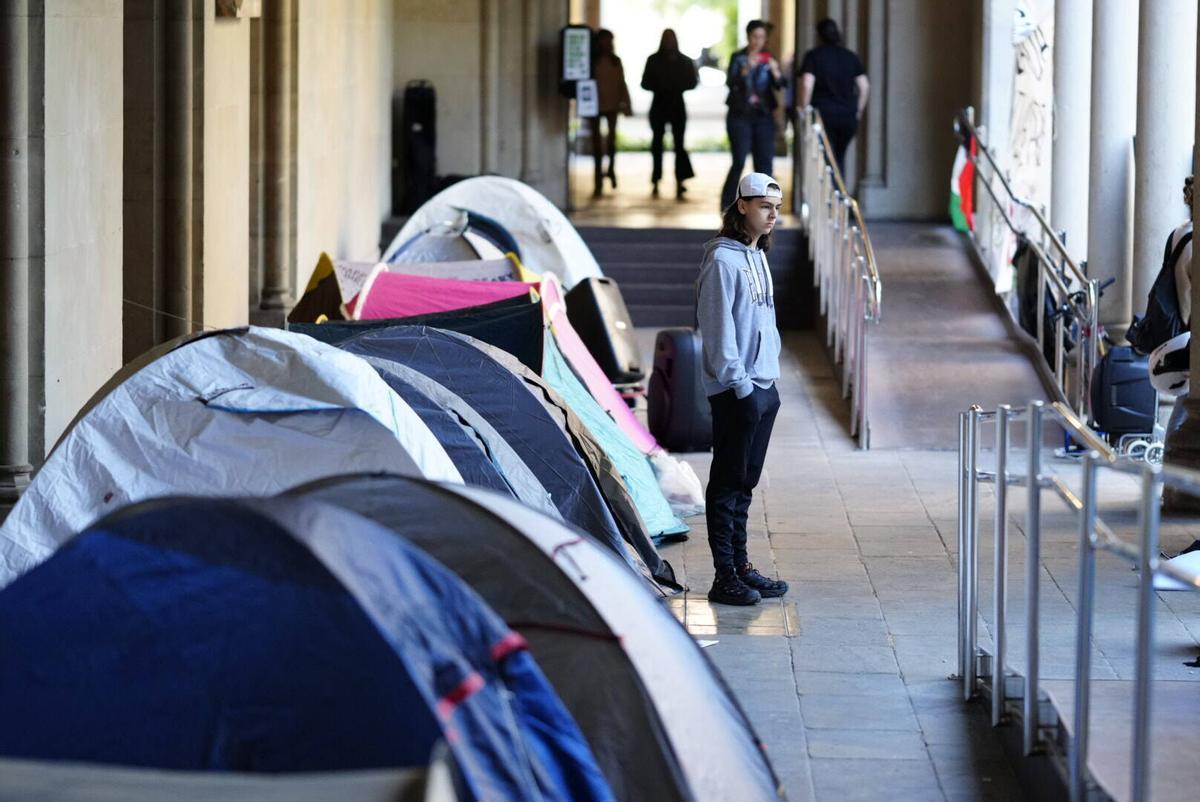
[846, 677]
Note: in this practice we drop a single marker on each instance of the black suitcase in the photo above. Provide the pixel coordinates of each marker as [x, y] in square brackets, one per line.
[679, 415]
[1123, 400]
[419, 144]
[597, 311]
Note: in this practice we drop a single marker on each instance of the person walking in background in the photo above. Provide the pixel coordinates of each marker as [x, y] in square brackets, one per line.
[832, 80]
[613, 96]
[735, 313]
[752, 79]
[668, 75]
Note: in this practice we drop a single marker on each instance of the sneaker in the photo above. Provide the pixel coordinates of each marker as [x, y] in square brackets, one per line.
[767, 588]
[729, 589]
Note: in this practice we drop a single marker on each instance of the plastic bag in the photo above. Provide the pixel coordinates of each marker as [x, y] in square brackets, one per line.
[679, 483]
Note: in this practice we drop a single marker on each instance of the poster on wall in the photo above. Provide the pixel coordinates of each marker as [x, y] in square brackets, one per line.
[577, 53]
[587, 99]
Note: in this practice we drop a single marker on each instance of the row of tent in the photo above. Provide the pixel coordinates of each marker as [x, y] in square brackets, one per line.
[405, 549]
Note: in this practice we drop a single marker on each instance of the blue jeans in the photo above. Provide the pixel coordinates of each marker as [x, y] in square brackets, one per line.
[751, 133]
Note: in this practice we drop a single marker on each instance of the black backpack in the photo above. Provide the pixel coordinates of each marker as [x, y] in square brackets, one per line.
[1162, 320]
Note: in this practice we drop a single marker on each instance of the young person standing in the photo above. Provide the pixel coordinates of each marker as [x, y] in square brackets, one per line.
[735, 312]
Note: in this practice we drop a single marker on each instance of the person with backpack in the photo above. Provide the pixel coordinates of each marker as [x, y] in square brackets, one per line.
[1169, 303]
[735, 313]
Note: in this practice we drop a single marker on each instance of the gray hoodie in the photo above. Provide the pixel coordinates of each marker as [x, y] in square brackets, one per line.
[735, 312]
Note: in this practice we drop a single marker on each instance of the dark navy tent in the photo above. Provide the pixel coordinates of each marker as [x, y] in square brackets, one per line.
[465, 450]
[511, 408]
[273, 636]
[634, 680]
[513, 324]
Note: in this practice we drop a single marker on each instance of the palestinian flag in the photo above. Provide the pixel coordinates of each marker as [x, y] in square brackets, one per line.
[962, 188]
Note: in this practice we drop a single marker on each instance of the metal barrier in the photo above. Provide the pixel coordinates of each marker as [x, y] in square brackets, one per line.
[1073, 294]
[844, 268]
[983, 672]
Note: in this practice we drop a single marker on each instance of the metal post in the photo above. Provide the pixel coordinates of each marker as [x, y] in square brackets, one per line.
[1000, 562]
[962, 536]
[1033, 558]
[972, 559]
[1077, 755]
[1143, 676]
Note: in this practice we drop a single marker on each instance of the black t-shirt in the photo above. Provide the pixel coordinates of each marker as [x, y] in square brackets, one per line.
[835, 69]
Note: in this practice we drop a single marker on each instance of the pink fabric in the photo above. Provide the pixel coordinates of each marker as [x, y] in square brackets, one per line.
[401, 295]
[585, 366]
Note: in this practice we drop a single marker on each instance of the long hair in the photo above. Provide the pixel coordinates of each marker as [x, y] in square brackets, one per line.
[828, 33]
[669, 42]
[733, 226]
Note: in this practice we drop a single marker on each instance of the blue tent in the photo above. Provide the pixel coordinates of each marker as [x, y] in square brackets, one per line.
[273, 636]
[503, 400]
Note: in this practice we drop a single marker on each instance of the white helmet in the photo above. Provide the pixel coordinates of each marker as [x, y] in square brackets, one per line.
[1169, 365]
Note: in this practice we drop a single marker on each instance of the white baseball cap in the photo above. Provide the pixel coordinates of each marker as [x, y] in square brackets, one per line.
[759, 185]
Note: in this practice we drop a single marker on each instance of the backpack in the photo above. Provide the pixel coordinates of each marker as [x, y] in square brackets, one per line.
[1162, 320]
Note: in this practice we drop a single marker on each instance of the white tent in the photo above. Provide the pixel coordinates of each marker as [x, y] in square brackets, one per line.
[547, 239]
[240, 412]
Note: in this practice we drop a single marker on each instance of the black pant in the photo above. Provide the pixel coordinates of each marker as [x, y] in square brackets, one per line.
[750, 134]
[840, 132]
[602, 145]
[741, 433]
[658, 129]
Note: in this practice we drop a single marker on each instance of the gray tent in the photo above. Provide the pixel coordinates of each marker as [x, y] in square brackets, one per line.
[656, 714]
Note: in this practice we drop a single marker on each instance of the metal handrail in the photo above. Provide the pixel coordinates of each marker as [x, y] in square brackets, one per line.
[1094, 536]
[845, 269]
[1056, 267]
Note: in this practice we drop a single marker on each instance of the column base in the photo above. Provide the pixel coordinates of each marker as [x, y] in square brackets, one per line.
[274, 299]
[14, 479]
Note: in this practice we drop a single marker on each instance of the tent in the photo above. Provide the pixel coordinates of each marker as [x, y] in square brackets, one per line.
[581, 361]
[658, 717]
[244, 411]
[459, 236]
[274, 636]
[336, 282]
[514, 324]
[505, 403]
[635, 468]
[606, 473]
[548, 240]
[386, 294]
[493, 456]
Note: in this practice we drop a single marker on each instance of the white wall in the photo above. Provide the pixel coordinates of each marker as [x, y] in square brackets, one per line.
[83, 205]
[441, 42]
[225, 262]
[930, 65]
[343, 132]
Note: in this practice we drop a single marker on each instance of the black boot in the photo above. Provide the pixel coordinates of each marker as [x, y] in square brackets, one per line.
[767, 588]
[729, 589]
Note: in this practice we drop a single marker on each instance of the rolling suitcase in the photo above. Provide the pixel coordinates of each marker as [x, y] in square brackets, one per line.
[679, 415]
[419, 144]
[1123, 400]
[597, 311]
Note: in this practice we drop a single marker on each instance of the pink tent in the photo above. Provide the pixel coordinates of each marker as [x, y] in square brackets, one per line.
[585, 366]
[386, 294]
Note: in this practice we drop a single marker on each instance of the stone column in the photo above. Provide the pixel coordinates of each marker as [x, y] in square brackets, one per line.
[1072, 119]
[277, 150]
[1163, 146]
[1113, 119]
[873, 127]
[178, 163]
[14, 249]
